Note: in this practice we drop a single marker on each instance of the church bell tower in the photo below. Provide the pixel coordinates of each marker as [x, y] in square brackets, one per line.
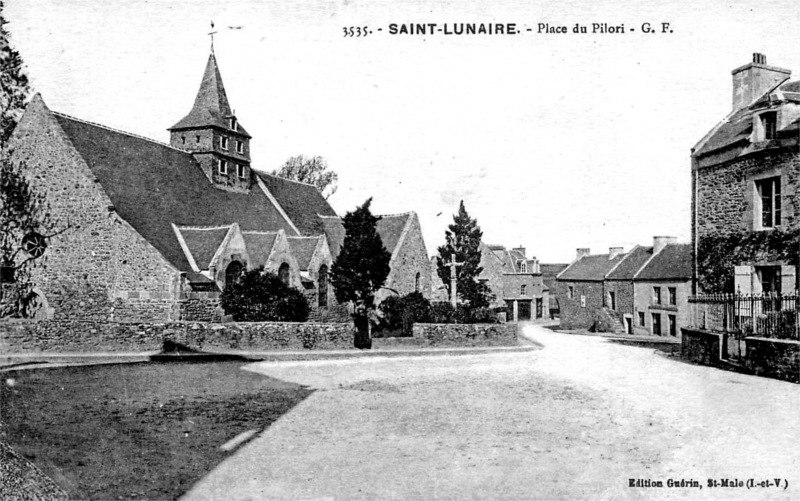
[214, 136]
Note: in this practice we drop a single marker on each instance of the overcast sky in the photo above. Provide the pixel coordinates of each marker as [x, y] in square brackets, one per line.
[553, 141]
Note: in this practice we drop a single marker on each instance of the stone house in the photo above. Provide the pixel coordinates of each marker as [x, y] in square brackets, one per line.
[745, 184]
[662, 288]
[524, 292]
[154, 231]
[619, 291]
[580, 288]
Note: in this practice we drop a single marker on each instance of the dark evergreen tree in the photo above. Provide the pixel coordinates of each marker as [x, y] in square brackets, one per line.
[14, 88]
[361, 269]
[260, 296]
[463, 238]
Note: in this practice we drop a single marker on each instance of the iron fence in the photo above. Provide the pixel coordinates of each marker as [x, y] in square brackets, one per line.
[771, 315]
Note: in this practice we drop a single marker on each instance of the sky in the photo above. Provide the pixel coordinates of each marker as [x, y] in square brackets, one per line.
[553, 141]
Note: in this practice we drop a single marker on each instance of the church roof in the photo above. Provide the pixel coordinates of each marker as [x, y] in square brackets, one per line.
[302, 202]
[153, 185]
[259, 244]
[211, 105]
[303, 249]
[390, 228]
[203, 242]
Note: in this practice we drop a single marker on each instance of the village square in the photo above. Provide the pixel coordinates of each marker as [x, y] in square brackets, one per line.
[181, 319]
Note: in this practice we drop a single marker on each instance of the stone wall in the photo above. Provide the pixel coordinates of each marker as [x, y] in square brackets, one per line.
[573, 315]
[98, 268]
[467, 334]
[91, 337]
[775, 358]
[700, 347]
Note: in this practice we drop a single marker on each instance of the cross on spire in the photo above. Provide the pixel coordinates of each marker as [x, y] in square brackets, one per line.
[211, 34]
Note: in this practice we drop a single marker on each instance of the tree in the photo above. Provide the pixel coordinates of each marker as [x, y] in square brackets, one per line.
[463, 238]
[311, 170]
[260, 296]
[361, 269]
[14, 90]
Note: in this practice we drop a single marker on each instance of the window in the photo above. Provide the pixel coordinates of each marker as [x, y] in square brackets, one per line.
[222, 167]
[223, 142]
[769, 125]
[523, 290]
[233, 124]
[657, 295]
[416, 282]
[672, 296]
[583, 301]
[283, 273]
[233, 272]
[769, 277]
[196, 139]
[570, 292]
[769, 196]
[523, 267]
[239, 146]
[241, 171]
[657, 324]
[641, 319]
[612, 300]
[183, 139]
[322, 286]
[673, 328]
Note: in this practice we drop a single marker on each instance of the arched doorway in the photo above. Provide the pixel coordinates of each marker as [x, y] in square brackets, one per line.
[233, 272]
[322, 286]
[283, 273]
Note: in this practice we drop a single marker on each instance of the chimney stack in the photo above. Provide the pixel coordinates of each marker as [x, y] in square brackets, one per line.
[614, 252]
[753, 80]
[582, 252]
[660, 242]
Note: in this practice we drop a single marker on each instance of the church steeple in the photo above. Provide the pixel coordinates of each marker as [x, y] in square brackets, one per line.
[213, 134]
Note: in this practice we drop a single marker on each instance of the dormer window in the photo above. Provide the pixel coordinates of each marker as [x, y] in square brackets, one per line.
[523, 267]
[239, 146]
[241, 171]
[223, 142]
[222, 167]
[233, 124]
[767, 126]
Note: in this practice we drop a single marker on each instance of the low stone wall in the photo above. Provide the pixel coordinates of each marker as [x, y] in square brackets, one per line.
[775, 358]
[25, 336]
[467, 334]
[700, 346]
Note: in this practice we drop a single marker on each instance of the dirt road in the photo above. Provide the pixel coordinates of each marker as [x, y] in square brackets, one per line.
[580, 419]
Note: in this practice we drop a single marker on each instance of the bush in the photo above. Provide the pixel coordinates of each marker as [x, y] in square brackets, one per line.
[400, 313]
[261, 296]
[443, 313]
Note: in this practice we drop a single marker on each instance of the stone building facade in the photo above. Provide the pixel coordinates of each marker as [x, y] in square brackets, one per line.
[152, 232]
[745, 185]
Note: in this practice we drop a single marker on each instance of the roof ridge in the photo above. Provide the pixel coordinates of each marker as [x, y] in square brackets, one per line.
[303, 236]
[151, 140]
[329, 217]
[396, 215]
[257, 232]
[202, 228]
[287, 179]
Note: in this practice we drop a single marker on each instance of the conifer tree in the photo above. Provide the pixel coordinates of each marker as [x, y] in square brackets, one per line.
[463, 238]
[14, 88]
[361, 268]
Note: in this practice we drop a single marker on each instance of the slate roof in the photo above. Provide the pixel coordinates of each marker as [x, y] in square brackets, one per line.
[302, 202]
[674, 262]
[590, 268]
[153, 185]
[203, 243]
[303, 250]
[632, 263]
[737, 128]
[549, 272]
[211, 105]
[259, 244]
[390, 228]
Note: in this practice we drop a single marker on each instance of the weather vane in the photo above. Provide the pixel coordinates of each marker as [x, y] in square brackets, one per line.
[211, 34]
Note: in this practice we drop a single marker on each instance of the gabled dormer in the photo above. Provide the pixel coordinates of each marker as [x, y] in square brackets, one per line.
[212, 133]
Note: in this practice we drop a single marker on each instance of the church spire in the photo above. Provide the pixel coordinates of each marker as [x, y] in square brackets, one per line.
[213, 134]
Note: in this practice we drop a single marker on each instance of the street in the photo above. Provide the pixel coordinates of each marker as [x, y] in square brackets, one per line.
[583, 418]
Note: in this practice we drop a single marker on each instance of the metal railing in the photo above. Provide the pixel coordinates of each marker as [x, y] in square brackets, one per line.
[769, 315]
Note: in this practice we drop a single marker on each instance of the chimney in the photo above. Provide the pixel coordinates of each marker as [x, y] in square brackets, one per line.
[754, 79]
[582, 252]
[520, 250]
[660, 242]
[614, 252]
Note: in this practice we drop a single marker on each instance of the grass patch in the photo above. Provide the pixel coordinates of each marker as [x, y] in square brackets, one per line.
[135, 431]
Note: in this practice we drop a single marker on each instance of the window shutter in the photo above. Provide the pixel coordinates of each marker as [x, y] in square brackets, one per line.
[743, 280]
[788, 279]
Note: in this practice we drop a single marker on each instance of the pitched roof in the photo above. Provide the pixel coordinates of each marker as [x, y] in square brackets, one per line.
[632, 263]
[590, 268]
[302, 202]
[203, 242]
[549, 272]
[153, 185]
[737, 128]
[303, 249]
[211, 105]
[390, 228]
[673, 262]
[259, 244]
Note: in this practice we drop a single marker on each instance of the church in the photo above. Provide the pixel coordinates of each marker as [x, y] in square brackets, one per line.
[153, 231]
